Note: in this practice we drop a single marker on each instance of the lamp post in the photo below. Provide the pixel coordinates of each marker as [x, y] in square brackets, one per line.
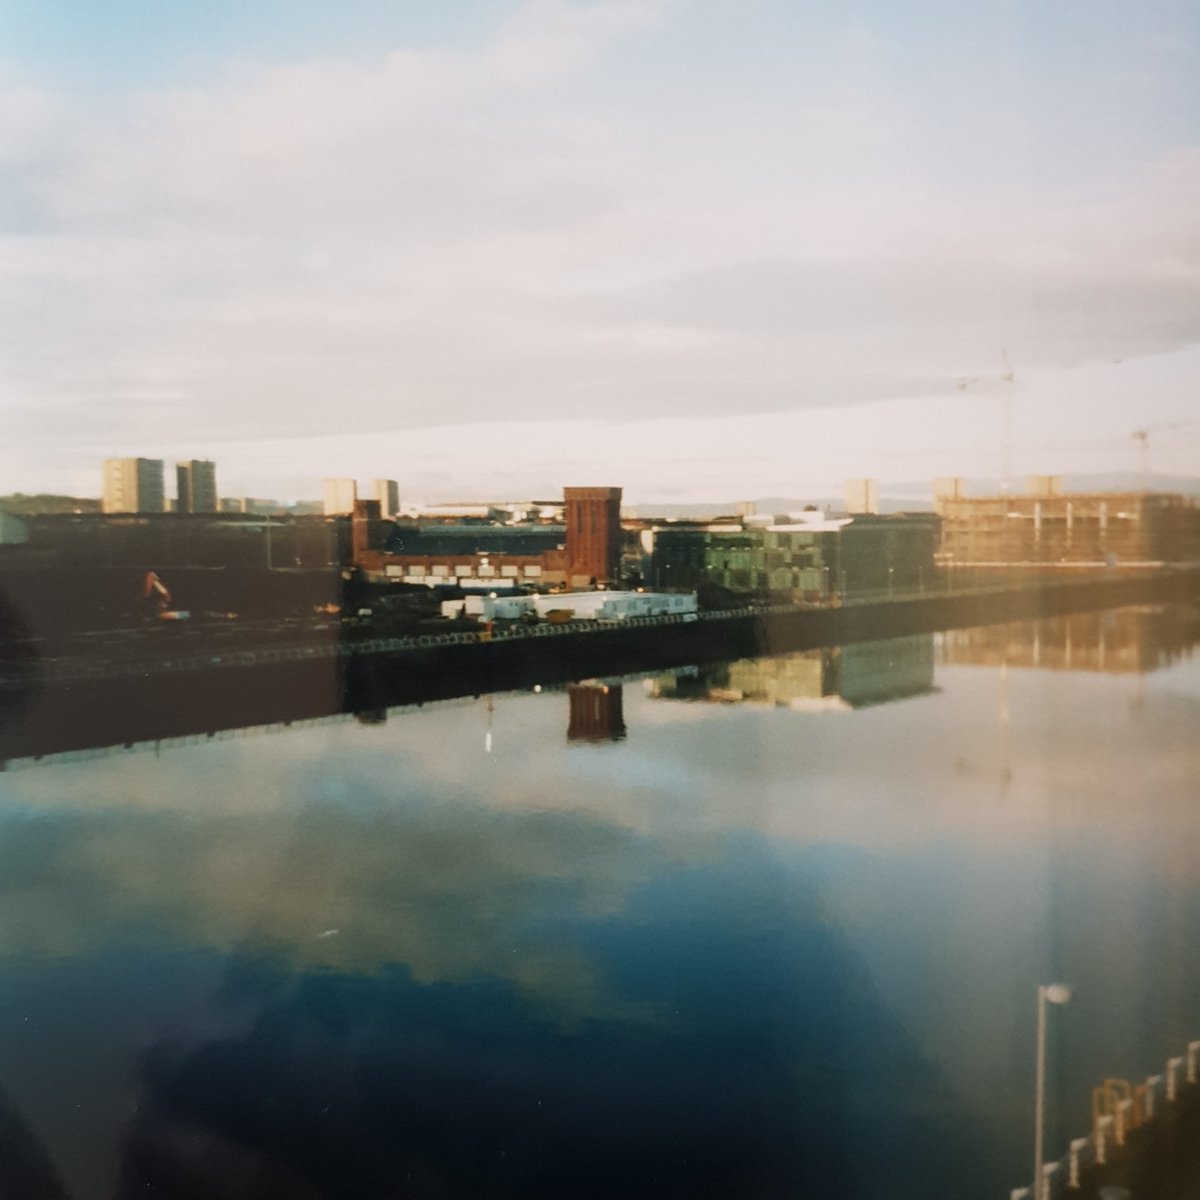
[1048, 993]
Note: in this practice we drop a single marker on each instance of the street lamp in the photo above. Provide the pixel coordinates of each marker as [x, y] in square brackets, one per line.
[1048, 993]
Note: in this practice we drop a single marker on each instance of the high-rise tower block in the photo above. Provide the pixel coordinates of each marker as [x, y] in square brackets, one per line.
[196, 486]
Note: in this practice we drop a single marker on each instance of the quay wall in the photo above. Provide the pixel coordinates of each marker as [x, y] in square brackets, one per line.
[69, 705]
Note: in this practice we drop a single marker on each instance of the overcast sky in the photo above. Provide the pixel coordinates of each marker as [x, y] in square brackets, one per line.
[700, 248]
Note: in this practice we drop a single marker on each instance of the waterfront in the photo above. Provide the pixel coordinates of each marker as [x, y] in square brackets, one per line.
[764, 929]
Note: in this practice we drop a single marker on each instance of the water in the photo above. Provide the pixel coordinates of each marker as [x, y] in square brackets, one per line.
[772, 929]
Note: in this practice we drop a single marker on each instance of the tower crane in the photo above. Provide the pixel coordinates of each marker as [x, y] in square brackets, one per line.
[1006, 377]
[1142, 437]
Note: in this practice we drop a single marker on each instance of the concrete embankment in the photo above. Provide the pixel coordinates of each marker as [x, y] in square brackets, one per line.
[76, 704]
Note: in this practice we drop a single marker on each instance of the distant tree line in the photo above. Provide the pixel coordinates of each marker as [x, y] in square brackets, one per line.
[21, 505]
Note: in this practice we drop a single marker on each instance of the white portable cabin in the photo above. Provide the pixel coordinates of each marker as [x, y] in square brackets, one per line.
[616, 606]
[583, 606]
[622, 605]
[490, 608]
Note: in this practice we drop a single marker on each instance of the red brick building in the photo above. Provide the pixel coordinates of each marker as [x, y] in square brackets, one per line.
[593, 516]
[583, 553]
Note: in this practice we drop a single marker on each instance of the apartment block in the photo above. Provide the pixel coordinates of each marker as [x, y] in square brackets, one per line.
[340, 497]
[196, 486]
[132, 485]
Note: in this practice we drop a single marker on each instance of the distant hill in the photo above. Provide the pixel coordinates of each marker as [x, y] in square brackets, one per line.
[21, 505]
[689, 512]
[917, 495]
[1098, 481]
[774, 505]
[1131, 481]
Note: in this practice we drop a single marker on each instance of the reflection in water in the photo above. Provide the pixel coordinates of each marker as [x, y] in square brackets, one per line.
[812, 680]
[26, 1172]
[597, 712]
[742, 953]
[334, 1090]
[1119, 640]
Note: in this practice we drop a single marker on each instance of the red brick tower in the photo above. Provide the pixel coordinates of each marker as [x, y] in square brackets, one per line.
[593, 516]
[362, 526]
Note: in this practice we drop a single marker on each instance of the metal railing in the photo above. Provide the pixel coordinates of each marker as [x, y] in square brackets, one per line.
[1118, 1108]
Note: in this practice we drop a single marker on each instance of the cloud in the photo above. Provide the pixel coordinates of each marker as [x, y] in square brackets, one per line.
[445, 235]
[1062, 421]
[550, 39]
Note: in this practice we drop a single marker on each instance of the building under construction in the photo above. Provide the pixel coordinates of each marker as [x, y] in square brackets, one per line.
[1046, 527]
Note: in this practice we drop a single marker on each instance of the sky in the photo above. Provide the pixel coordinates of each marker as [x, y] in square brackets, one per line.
[701, 249]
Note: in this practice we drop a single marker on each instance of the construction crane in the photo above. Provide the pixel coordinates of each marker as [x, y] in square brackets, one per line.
[1006, 377]
[153, 586]
[1142, 437]
[154, 589]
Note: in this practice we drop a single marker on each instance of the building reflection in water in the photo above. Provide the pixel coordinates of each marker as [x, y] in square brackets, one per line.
[839, 677]
[1130, 640]
[597, 712]
[1123, 641]
[1116, 641]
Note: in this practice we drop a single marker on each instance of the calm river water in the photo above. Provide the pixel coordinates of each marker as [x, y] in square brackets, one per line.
[772, 929]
